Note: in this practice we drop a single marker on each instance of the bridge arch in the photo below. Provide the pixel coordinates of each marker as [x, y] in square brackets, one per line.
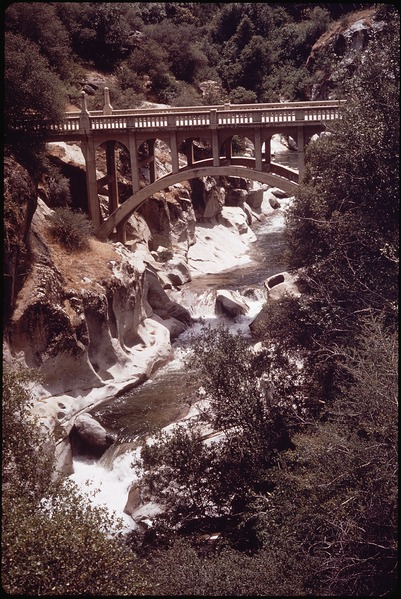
[123, 212]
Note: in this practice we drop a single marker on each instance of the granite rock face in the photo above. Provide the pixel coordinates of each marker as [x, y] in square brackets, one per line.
[87, 322]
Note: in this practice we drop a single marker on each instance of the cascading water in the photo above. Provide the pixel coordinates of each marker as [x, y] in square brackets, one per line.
[164, 399]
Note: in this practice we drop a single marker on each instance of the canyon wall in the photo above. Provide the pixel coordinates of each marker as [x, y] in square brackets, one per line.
[96, 322]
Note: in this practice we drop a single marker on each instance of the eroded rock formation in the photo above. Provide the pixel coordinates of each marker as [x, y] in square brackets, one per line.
[96, 322]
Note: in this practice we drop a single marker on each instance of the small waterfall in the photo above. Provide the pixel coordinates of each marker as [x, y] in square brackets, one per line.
[125, 442]
[108, 487]
[200, 303]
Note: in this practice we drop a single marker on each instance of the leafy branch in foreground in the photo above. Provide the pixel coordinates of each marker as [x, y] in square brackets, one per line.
[53, 541]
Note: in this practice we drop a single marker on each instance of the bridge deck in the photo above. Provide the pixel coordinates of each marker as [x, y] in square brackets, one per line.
[194, 117]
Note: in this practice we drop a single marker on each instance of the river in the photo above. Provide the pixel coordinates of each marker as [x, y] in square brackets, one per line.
[165, 398]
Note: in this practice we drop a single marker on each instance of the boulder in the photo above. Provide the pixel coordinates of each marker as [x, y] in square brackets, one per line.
[208, 197]
[274, 203]
[279, 193]
[255, 198]
[236, 197]
[160, 302]
[231, 303]
[91, 435]
[177, 271]
[236, 217]
[280, 284]
[134, 499]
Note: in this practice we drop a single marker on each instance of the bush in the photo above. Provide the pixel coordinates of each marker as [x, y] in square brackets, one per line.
[71, 229]
[58, 188]
[53, 541]
[240, 95]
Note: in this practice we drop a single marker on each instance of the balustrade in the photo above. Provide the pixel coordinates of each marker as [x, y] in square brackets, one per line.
[254, 115]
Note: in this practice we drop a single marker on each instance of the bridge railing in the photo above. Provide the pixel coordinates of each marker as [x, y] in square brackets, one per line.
[186, 117]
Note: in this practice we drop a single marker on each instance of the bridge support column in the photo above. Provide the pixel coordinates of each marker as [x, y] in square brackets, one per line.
[301, 150]
[112, 176]
[228, 149]
[152, 163]
[215, 148]
[174, 151]
[189, 151]
[114, 201]
[258, 150]
[91, 183]
[133, 154]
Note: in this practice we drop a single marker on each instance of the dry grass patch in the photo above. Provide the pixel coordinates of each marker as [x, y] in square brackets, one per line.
[92, 264]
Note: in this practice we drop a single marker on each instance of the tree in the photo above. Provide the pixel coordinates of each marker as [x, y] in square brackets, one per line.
[100, 32]
[39, 23]
[200, 483]
[185, 58]
[32, 92]
[339, 485]
[53, 541]
[240, 95]
[343, 225]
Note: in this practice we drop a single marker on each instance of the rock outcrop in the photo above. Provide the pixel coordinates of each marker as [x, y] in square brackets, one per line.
[345, 39]
[20, 200]
[91, 436]
[96, 322]
[88, 323]
[280, 284]
[277, 286]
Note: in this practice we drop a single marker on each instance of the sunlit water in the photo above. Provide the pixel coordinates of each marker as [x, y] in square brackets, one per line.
[167, 396]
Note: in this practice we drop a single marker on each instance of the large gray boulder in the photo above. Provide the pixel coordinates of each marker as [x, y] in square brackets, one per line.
[91, 434]
[280, 284]
[160, 302]
[231, 303]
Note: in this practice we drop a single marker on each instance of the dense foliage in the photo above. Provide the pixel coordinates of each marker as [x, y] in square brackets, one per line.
[163, 50]
[53, 541]
[326, 494]
[157, 51]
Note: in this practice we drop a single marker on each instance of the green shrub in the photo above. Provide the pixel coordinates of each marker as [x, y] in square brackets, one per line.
[71, 229]
[53, 542]
[240, 95]
[58, 188]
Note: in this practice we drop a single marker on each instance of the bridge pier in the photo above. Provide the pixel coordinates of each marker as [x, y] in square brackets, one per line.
[189, 151]
[215, 148]
[227, 149]
[88, 150]
[112, 176]
[133, 153]
[152, 162]
[174, 152]
[301, 150]
[258, 149]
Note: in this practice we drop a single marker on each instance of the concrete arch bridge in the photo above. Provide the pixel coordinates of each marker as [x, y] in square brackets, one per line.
[181, 129]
